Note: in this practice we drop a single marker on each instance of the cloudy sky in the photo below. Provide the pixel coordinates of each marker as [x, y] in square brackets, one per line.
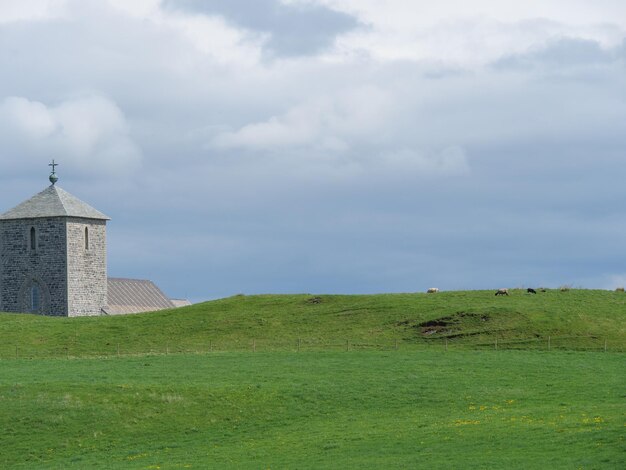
[328, 146]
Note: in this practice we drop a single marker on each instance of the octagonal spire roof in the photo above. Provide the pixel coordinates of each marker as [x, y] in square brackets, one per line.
[53, 202]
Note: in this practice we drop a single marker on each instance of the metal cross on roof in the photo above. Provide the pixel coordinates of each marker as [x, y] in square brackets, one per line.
[53, 176]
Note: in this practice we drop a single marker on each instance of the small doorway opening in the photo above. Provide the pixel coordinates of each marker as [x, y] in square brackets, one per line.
[35, 298]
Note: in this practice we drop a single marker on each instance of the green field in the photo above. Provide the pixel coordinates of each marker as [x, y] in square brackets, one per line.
[368, 409]
[322, 382]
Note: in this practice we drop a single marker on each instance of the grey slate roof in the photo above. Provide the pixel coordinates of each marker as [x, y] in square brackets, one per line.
[134, 296]
[53, 202]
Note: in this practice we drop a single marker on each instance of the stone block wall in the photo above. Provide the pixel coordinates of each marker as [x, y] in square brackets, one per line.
[86, 266]
[23, 266]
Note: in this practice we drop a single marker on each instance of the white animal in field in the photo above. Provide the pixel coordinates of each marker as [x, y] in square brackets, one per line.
[432, 290]
[502, 292]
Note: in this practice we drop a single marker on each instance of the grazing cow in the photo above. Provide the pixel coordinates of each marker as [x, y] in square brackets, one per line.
[530, 290]
[432, 290]
[502, 292]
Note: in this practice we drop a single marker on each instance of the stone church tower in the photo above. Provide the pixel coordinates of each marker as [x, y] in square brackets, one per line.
[53, 255]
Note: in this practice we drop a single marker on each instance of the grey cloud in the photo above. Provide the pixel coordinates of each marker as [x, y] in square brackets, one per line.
[83, 130]
[563, 52]
[621, 51]
[295, 30]
[535, 196]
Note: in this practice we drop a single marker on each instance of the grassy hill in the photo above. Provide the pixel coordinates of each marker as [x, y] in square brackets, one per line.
[575, 319]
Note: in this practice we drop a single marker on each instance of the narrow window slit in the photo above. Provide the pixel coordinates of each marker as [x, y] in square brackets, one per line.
[33, 238]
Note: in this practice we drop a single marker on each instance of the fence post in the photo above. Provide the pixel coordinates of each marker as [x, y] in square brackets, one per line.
[167, 348]
[347, 345]
[446, 341]
[210, 346]
[496, 344]
[605, 345]
[254, 345]
[16, 354]
[548, 343]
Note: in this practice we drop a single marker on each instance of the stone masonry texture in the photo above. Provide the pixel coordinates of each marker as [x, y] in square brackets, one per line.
[44, 266]
[70, 277]
[86, 267]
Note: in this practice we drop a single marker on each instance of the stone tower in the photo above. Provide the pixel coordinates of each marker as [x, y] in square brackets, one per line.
[53, 256]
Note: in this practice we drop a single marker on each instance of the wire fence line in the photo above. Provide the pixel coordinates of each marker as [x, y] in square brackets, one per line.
[76, 349]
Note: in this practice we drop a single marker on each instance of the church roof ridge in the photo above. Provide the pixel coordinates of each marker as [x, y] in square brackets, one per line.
[53, 202]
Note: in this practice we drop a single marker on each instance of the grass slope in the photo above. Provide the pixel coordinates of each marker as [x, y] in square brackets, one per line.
[358, 409]
[577, 319]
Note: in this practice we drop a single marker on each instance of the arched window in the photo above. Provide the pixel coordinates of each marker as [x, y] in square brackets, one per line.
[35, 298]
[33, 238]
[86, 238]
